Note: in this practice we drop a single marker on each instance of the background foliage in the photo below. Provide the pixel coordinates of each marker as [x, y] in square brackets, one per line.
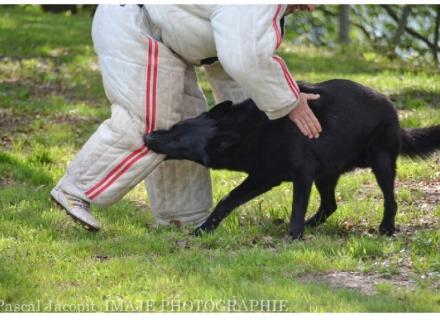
[409, 32]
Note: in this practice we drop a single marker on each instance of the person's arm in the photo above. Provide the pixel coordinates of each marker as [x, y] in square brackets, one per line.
[246, 38]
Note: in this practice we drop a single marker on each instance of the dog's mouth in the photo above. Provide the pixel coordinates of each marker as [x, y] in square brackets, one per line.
[159, 142]
[152, 141]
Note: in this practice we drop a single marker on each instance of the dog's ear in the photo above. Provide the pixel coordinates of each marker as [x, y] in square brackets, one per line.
[218, 110]
[223, 140]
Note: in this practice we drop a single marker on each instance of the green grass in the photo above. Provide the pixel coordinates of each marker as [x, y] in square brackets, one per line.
[51, 100]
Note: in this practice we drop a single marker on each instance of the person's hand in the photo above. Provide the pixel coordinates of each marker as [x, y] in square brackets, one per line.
[307, 7]
[304, 118]
[299, 7]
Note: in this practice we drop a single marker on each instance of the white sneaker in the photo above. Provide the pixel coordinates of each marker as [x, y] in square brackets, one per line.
[75, 207]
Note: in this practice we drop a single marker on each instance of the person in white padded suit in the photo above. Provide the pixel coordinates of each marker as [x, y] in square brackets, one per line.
[147, 55]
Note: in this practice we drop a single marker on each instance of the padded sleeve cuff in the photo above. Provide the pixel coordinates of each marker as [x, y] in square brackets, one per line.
[273, 115]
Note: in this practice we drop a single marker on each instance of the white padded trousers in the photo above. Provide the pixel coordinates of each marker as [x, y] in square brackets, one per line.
[149, 88]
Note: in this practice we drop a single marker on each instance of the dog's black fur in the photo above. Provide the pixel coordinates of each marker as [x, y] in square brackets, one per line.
[360, 129]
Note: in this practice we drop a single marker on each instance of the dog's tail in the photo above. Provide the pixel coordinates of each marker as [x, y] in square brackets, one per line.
[420, 142]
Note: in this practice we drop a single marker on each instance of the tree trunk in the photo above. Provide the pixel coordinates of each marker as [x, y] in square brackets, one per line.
[344, 24]
[408, 29]
[436, 36]
[401, 25]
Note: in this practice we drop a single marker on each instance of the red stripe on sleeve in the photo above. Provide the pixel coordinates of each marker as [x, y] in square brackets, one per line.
[276, 26]
[292, 84]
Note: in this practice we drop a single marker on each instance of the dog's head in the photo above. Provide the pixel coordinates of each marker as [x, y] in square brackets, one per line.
[201, 139]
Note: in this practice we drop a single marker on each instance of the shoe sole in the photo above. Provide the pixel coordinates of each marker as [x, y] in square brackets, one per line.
[86, 226]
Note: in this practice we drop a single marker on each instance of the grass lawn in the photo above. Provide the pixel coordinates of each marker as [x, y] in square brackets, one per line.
[51, 100]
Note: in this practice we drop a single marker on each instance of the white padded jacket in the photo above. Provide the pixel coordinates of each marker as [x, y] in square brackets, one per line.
[243, 37]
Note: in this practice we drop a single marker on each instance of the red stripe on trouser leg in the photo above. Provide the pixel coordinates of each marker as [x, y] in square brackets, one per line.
[156, 63]
[147, 96]
[152, 86]
[292, 84]
[150, 110]
[114, 171]
[121, 172]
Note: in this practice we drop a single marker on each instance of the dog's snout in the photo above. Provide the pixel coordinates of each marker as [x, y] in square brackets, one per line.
[149, 139]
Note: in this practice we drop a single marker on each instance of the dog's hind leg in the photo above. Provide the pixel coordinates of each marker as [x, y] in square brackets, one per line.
[384, 168]
[326, 187]
[250, 188]
[302, 187]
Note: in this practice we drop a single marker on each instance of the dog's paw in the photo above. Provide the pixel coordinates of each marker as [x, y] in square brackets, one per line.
[311, 223]
[297, 237]
[290, 238]
[197, 232]
[315, 220]
[201, 230]
[387, 230]
[296, 234]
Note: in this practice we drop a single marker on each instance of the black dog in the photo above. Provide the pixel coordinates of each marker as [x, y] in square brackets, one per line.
[360, 129]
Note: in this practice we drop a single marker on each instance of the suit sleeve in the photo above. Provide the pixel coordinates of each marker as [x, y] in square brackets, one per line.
[246, 38]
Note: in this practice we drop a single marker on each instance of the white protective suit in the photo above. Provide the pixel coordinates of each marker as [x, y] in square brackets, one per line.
[147, 57]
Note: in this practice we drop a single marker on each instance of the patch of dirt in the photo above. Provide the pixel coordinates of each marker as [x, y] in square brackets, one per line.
[268, 242]
[6, 180]
[43, 91]
[430, 192]
[428, 201]
[422, 223]
[10, 124]
[73, 119]
[364, 283]
[102, 258]
[38, 87]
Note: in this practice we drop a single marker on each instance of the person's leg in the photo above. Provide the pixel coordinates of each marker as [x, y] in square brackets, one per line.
[179, 190]
[222, 85]
[144, 82]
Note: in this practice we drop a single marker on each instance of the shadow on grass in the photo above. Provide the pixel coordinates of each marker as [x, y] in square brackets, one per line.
[28, 32]
[17, 283]
[414, 99]
[23, 171]
[41, 60]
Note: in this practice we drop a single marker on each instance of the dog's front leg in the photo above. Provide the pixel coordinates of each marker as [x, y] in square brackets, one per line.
[302, 187]
[247, 190]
